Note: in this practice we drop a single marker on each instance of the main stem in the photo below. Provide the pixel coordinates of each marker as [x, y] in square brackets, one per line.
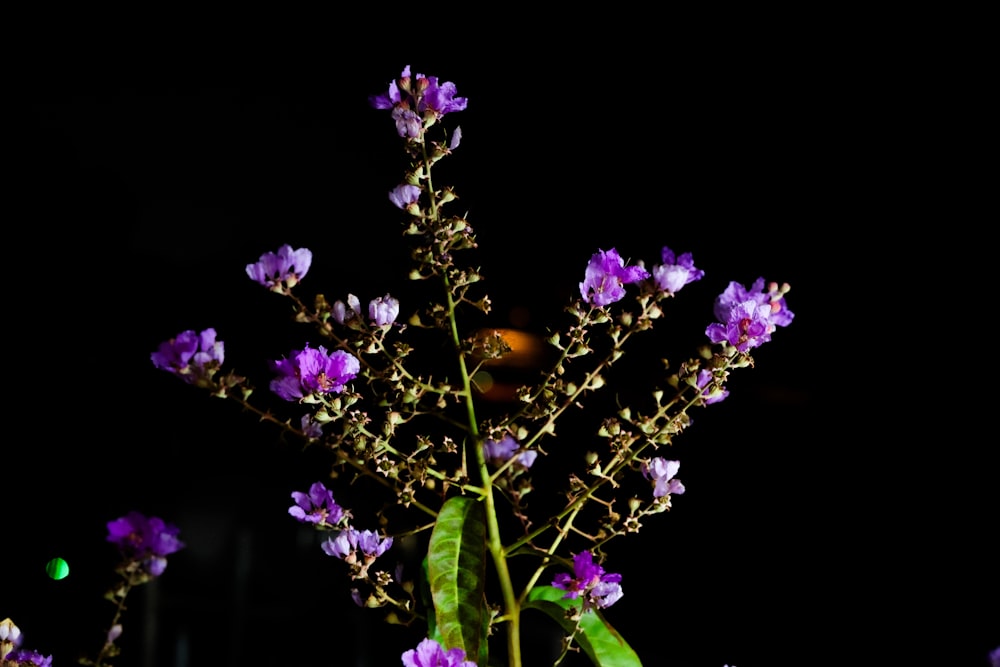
[512, 606]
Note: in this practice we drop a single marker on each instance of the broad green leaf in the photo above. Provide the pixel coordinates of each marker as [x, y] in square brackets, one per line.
[456, 568]
[601, 642]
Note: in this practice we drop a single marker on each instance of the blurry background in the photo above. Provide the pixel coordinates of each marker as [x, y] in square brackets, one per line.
[822, 524]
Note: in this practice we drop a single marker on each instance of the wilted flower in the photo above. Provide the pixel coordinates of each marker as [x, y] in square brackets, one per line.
[313, 371]
[316, 507]
[597, 588]
[148, 540]
[606, 277]
[429, 653]
[311, 428]
[497, 453]
[9, 633]
[711, 394]
[675, 273]
[403, 195]
[662, 472]
[282, 270]
[349, 543]
[193, 357]
[345, 312]
[383, 310]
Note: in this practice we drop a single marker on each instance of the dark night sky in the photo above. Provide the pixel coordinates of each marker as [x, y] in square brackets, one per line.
[821, 524]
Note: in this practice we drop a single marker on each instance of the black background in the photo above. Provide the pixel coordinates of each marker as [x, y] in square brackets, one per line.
[841, 503]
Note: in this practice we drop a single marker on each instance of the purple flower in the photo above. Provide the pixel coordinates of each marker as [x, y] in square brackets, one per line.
[606, 276]
[747, 325]
[597, 588]
[662, 472]
[995, 657]
[283, 270]
[349, 543]
[316, 507]
[675, 273]
[311, 428]
[773, 298]
[711, 394]
[383, 310]
[416, 100]
[403, 195]
[456, 138]
[429, 653]
[498, 453]
[25, 658]
[145, 539]
[310, 371]
[194, 357]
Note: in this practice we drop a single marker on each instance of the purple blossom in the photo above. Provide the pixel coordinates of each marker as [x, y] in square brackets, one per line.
[456, 138]
[598, 588]
[193, 357]
[429, 653]
[349, 543]
[606, 277]
[282, 270]
[995, 657]
[313, 371]
[404, 194]
[383, 311]
[316, 507]
[498, 453]
[148, 540]
[25, 658]
[675, 273]
[662, 472]
[415, 100]
[711, 394]
[747, 325]
[774, 298]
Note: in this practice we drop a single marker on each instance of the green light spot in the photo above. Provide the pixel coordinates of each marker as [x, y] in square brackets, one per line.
[57, 568]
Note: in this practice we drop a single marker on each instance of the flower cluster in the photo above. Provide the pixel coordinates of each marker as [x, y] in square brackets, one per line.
[748, 317]
[589, 582]
[13, 656]
[430, 470]
[416, 102]
[357, 548]
[194, 357]
[145, 541]
[382, 311]
[430, 653]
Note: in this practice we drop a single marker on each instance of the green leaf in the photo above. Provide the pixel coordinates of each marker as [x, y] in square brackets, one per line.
[601, 642]
[456, 568]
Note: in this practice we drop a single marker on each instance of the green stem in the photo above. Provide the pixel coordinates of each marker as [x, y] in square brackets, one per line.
[512, 607]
